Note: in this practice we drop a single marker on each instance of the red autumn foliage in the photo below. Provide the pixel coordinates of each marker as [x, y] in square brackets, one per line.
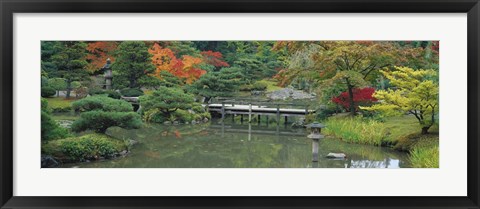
[214, 58]
[361, 97]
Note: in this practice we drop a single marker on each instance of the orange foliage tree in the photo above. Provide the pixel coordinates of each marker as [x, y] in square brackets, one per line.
[98, 52]
[186, 68]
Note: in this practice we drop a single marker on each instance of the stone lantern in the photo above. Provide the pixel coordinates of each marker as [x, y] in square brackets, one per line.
[108, 74]
[315, 130]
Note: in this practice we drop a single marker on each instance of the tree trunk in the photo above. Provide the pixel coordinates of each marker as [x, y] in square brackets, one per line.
[133, 83]
[69, 89]
[350, 96]
[425, 130]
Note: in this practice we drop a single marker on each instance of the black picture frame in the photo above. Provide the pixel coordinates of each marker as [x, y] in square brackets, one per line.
[9, 7]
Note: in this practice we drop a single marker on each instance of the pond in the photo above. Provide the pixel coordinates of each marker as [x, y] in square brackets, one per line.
[234, 145]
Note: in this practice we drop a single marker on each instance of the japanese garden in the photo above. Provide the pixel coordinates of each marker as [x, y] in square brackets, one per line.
[239, 104]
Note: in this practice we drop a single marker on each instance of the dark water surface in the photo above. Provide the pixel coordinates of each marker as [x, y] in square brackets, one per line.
[239, 146]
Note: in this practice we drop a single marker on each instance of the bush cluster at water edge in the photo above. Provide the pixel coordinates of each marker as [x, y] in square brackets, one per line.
[87, 147]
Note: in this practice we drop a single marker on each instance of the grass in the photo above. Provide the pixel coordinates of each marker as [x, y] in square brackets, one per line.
[60, 104]
[271, 85]
[357, 130]
[401, 133]
[425, 154]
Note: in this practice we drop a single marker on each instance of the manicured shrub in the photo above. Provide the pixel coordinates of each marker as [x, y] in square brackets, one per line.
[50, 129]
[87, 147]
[81, 92]
[45, 105]
[101, 102]
[99, 121]
[131, 92]
[95, 91]
[259, 86]
[47, 91]
[113, 94]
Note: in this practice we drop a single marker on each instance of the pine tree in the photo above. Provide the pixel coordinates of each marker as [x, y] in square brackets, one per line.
[133, 62]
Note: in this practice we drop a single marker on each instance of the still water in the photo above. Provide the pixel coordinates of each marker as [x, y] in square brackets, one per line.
[233, 145]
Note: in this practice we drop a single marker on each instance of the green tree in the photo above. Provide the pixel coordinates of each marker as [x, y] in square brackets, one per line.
[133, 62]
[414, 93]
[215, 84]
[167, 100]
[70, 63]
[58, 84]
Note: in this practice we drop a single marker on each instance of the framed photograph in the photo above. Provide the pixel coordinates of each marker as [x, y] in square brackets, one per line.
[238, 104]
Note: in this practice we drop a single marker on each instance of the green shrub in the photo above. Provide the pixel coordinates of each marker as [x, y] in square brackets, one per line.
[50, 129]
[246, 87]
[357, 130]
[198, 108]
[87, 147]
[45, 105]
[95, 91]
[259, 86]
[131, 92]
[101, 102]
[113, 94]
[99, 121]
[183, 116]
[47, 91]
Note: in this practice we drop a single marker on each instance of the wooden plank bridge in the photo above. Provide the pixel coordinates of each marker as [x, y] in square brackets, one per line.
[232, 107]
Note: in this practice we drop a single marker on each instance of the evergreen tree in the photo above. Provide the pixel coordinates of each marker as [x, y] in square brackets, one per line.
[214, 84]
[69, 61]
[133, 62]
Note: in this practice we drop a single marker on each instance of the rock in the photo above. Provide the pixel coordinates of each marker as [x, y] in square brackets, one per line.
[186, 123]
[49, 162]
[257, 93]
[336, 155]
[132, 142]
[130, 99]
[287, 93]
[205, 120]
[167, 123]
[193, 122]
[175, 123]
[123, 153]
[300, 123]
[65, 123]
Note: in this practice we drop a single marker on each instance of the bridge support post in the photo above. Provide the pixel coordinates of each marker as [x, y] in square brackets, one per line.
[241, 118]
[286, 119]
[278, 114]
[258, 118]
[250, 113]
[267, 120]
[223, 111]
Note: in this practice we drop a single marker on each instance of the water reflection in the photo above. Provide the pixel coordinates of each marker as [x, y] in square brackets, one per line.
[220, 145]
